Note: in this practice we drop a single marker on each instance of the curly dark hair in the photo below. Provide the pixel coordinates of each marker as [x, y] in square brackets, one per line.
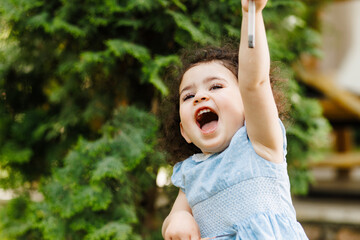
[174, 144]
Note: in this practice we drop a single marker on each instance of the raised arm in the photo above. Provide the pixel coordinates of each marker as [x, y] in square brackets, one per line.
[261, 114]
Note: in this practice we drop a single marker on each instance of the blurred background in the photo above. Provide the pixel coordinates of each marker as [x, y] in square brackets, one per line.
[81, 85]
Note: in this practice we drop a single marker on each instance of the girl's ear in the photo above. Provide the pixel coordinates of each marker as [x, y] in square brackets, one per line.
[183, 133]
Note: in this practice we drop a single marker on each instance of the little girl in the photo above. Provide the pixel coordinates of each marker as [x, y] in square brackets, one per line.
[238, 186]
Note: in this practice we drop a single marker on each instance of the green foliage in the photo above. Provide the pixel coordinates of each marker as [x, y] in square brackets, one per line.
[97, 194]
[111, 230]
[66, 66]
[308, 138]
[18, 218]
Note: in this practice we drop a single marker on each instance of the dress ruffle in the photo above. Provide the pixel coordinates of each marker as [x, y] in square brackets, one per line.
[267, 226]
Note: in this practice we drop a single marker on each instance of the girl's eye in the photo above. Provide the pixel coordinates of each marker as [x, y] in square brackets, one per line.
[188, 96]
[216, 86]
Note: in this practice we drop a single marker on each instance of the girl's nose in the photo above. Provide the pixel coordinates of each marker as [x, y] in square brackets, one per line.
[200, 98]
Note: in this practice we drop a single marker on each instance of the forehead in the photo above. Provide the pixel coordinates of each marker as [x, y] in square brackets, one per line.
[205, 71]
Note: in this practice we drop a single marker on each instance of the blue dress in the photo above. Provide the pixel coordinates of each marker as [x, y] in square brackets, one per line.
[238, 192]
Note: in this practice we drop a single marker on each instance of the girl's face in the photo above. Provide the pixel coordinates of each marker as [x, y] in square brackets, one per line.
[211, 108]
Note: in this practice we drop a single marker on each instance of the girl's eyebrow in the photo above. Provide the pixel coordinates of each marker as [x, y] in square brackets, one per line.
[185, 89]
[206, 80]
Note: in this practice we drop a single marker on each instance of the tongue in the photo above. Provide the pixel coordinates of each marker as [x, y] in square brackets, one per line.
[210, 126]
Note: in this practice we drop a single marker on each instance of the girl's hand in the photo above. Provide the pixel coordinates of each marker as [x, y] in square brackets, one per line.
[182, 226]
[260, 4]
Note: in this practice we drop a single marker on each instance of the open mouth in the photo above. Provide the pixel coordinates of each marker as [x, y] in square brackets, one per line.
[207, 119]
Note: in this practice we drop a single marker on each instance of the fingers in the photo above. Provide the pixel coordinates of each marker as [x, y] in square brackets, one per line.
[245, 4]
[184, 237]
[260, 4]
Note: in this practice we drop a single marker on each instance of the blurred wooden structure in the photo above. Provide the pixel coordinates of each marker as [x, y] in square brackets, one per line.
[331, 210]
[337, 78]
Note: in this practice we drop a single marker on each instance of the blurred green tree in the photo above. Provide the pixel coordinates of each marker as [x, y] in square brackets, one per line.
[69, 72]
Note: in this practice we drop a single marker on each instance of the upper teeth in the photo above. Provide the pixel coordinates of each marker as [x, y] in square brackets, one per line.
[203, 111]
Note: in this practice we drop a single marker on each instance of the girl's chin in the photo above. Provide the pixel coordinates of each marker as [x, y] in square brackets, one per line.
[215, 148]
